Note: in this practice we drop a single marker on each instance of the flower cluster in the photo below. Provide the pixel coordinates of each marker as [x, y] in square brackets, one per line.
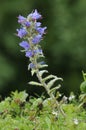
[32, 33]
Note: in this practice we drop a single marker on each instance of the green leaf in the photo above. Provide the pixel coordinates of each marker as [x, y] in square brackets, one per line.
[83, 87]
[41, 56]
[82, 97]
[35, 83]
[55, 88]
[84, 75]
[43, 66]
[42, 72]
[33, 71]
[49, 77]
[50, 83]
[28, 67]
[19, 95]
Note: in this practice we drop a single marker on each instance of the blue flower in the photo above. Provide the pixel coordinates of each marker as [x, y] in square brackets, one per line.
[27, 24]
[31, 66]
[41, 63]
[41, 30]
[38, 24]
[29, 54]
[21, 19]
[21, 32]
[37, 39]
[35, 15]
[25, 45]
[38, 51]
[32, 32]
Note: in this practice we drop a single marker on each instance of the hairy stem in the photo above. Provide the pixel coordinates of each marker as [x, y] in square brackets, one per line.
[50, 94]
[45, 85]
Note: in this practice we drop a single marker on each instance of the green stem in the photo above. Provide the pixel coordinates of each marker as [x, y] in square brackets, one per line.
[45, 85]
[50, 94]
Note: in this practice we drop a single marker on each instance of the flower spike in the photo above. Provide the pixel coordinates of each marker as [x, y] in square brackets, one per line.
[32, 33]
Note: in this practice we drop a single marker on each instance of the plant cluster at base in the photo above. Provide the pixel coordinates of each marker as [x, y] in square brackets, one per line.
[32, 33]
[19, 113]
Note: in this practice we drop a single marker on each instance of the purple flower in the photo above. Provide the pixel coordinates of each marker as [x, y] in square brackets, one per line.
[35, 15]
[31, 65]
[42, 63]
[25, 45]
[27, 24]
[21, 32]
[38, 24]
[21, 19]
[29, 54]
[41, 30]
[38, 51]
[37, 39]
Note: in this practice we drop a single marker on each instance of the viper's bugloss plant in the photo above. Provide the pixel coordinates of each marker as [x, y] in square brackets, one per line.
[32, 33]
[19, 113]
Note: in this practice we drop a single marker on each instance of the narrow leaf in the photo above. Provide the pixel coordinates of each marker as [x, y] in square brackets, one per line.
[42, 66]
[41, 56]
[35, 83]
[50, 83]
[49, 77]
[55, 88]
[33, 71]
[42, 72]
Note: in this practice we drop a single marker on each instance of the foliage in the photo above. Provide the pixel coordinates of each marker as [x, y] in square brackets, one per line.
[37, 114]
[83, 91]
[66, 41]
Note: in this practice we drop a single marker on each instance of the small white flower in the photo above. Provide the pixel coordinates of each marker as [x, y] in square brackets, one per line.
[76, 122]
[65, 98]
[71, 97]
[55, 113]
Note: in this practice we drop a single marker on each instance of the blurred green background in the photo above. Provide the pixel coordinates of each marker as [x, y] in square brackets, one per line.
[64, 45]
